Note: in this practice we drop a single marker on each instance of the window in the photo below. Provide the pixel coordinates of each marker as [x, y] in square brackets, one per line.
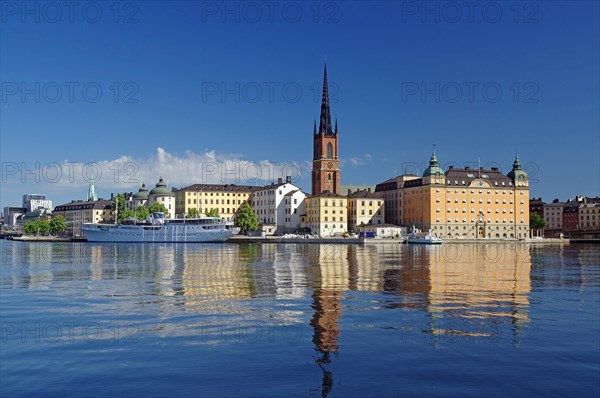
[329, 151]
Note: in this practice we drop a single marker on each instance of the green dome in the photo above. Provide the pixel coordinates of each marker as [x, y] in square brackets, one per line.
[434, 167]
[517, 173]
[161, 189]
[142, 194]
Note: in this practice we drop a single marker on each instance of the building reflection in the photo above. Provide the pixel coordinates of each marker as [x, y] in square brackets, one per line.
[486, 284]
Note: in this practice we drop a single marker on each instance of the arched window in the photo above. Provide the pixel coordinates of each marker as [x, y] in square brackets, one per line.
[329, 151]
[329, 175]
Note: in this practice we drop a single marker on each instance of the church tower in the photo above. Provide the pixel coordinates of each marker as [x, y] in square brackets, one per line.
[325, 167]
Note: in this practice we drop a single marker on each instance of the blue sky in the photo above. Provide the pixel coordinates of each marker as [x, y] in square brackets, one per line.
[144, 89]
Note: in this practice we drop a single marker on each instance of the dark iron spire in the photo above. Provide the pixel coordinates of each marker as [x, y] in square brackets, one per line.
[325, 122]
[336, 130]
[315, 127]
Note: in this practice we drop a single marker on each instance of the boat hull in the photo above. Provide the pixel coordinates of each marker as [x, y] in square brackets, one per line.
[156, 234]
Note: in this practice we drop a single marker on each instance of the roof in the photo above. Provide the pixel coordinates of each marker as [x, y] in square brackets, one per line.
[221, 187]
[457, 176]
[82, 205]
[364, 194]
[327, 194]
[161, 189]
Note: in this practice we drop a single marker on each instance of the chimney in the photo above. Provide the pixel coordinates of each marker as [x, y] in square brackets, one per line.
[279, 180]
[349, 191]
[369, 190]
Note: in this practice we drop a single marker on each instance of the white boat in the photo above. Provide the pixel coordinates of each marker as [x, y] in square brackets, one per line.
[157, 229]
[416, 236]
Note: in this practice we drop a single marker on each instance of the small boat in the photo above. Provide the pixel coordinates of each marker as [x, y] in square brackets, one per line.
[416, 236]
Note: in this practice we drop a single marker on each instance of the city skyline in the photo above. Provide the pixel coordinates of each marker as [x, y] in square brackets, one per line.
[174, 103]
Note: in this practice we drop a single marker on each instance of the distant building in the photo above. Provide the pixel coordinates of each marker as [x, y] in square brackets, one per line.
[473, 203]
[295, 205]
[161, 194]
[365, 207]
[326, 214]
[226, 198]
[536, 205]
[384, 230]
[270, 206]
[553, 215]
[589, 216]
[11, 214]
[570, 215]
[34, 201]
[78, 212]
[140, 197]
[392, 190]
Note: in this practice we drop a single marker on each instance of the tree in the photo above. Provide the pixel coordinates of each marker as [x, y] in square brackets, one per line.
[157, 206]
[123, 212]
[246, 218]
[536, 222]
[193, 213]
[58, 224]
[37, 226]
[212, 213]
[142, 213]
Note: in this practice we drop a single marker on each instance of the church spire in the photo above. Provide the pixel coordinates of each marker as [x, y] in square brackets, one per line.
[336, 129]
[315, 127]
[325, 122]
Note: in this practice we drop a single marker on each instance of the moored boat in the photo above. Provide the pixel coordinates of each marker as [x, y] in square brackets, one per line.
[419, 237]
[157, 229]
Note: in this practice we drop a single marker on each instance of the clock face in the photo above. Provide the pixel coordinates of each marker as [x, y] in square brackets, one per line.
[330, 165]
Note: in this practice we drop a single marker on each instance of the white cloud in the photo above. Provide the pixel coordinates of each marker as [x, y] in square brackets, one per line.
[126, 173]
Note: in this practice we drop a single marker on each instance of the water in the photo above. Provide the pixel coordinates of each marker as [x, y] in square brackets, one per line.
[299, 320]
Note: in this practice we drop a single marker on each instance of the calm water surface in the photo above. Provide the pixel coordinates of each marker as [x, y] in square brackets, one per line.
[299, 320]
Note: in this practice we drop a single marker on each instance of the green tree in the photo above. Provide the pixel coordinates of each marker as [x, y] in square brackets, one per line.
[30, 227]
[246, 218]
[157, 206]
[43, 226]
[212, 213]
[536, 222]
[193, 213]
[142, 213]
[123, 211]
[37, 226]
[58, 224]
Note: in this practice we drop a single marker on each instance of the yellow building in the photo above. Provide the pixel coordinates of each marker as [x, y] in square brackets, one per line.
[589, 216]
[226, 198]
[364, 208]
[78, 212]
[471, 203]
[326, 214]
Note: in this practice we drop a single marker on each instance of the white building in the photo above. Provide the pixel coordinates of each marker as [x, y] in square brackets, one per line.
[162, 194]
[270, 206]
[294, 207]
[34, 201]
[140, 197]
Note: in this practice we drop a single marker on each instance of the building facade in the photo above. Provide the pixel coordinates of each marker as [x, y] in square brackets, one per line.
[589, 216]
[326, 214]
[365, 208]
[161, 194]
[553, 215]
[471, 203]
[34, 201]
[78, 212]
[270, 205]
[226, 198]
